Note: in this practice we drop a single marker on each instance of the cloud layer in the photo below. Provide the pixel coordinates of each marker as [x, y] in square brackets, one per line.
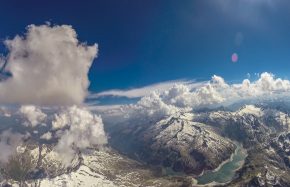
[214, 93]
[143, 91]
[49, 66]
[219, 93]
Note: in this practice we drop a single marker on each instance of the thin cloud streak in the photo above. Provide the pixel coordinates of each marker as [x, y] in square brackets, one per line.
[146, 90]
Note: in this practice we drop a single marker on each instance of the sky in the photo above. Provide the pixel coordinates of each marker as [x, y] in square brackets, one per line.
[142, 43]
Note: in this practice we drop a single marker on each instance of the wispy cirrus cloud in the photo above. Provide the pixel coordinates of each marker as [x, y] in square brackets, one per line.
[251, 13]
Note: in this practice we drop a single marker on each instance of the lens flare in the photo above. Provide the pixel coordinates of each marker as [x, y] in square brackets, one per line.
[235, 57]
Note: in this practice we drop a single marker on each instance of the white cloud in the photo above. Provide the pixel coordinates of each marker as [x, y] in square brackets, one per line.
[60, 121]
[102, 108]
[8, 144]
[218, 92]
[46, 136]
[79, 129]
[49, 67]
[151, 107]
[144, 91]
[211, 94]
[74, 129]
[33, 114]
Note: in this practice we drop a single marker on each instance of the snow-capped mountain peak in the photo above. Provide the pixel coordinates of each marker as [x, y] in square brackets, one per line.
[250, 109]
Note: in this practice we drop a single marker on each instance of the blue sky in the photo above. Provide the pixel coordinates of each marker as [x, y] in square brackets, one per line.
[146, 42]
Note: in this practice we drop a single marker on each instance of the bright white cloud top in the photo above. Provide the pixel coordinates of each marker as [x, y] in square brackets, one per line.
[78, 129]
[32, 114]
[212, 94]
[49, 66]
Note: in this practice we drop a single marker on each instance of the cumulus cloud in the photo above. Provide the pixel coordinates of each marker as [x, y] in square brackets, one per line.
[46, 136]
[218, 92]
[214, 93]
[8, 144]
[72, 129]
[144, 91]
[33, 114]
[77, 129]
[150, 108]
[49, 66]
[176, 99]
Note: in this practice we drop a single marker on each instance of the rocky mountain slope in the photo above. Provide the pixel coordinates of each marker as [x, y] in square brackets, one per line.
[264, 132]
[93, 167]
[176, 143]
[169, 152]
[200, 141]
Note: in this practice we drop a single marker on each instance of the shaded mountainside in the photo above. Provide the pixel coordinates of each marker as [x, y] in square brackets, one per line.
[200, 141]
[175, 142]
[94, 167]
[263, 133]
[264, 166]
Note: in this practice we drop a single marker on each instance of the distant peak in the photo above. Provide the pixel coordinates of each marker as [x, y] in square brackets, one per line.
[250, 109]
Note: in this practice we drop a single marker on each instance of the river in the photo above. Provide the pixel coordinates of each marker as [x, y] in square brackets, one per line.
[226, 171]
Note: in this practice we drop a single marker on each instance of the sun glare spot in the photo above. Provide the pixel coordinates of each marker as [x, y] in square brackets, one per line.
[235, 57]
